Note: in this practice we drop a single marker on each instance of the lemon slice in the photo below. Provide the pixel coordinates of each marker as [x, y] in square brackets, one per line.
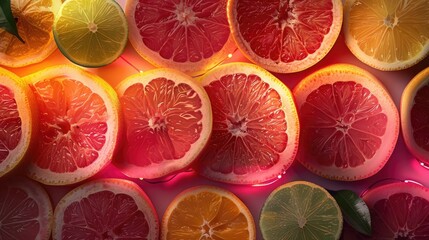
[385, 34]
[91, 33]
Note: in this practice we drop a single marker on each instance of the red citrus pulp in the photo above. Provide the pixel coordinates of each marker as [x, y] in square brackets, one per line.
[349, 123]
[191, 36]
[25, 210]
[79, 125]
[17, 123]
[106, 209]
[255, 125]
[285, 36]
[167, 121]
[415, 116]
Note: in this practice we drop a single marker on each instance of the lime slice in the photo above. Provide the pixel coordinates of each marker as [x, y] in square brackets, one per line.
[300, 210]
[91, 33]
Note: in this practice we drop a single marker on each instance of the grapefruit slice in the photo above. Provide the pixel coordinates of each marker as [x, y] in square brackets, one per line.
[285, 36]
[25, 210]
[91, 33]
[16, 120]
[255, 125]
[106, 209]
[349, 123]
[300, 210]
[387, 35]
[415, 116]
[79, 125]
[399, 211]
[168, 122]
[34, 20]
[191, 36]
[207, 212]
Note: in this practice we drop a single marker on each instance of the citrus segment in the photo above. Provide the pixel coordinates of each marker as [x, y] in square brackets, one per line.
[25, 210]
[16, 120]
[300, 210]
[106, 209]
[387, 35]
[349, 123]
[91, 33]
[398, 211]
[255, 125]
[34, 20]
[285, 36]
[168, 122]
[414, 116]
[191, 36]
[79, 125]
[207, 212]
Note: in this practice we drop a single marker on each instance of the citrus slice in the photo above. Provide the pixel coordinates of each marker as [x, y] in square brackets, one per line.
[414, 116]
[255, 125]
[25, 210]
[207, 212]
[300, 210]
[106, 209]
[349, 123]
[91, 33]
[79, 125]
[385, 34]
[34, 20]
[399, 211]
[285, 36]
[191, 36]
[168, 122]
[16, 120]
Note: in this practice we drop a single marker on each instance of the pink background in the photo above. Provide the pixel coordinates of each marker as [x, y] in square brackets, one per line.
[401, 165]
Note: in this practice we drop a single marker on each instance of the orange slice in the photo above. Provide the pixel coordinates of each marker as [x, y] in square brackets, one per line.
[106, 209]
[79, 124]
[35, 19]
[190, 36]
[414, 116]
[207, 212]
[285, 36]
[349, 123]
[17, 125]
[255, 125]
[387, 34]
[168, 122]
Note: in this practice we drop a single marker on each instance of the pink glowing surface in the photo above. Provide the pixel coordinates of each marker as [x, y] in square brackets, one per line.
[402, 165]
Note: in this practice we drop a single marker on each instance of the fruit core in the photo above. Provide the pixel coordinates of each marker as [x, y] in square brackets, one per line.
[285, 15]
[92, 27]
[185, 14]
[391, 21]
[237, 128]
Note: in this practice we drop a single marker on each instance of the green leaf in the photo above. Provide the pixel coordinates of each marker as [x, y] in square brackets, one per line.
[7, 22]
[355, 211]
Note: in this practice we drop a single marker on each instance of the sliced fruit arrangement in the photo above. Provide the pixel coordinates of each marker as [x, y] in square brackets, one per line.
[385, 34]
[255, 125]
[106, 209]
[300, 210]
[17, 120]
[415, 116]
[34, 20]
[25, 210]
[79, 124]
[206, 212]
[349, 123]
[285, 36]
[398, 211]
[191, 36]
[168, 121]
[91, 33]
